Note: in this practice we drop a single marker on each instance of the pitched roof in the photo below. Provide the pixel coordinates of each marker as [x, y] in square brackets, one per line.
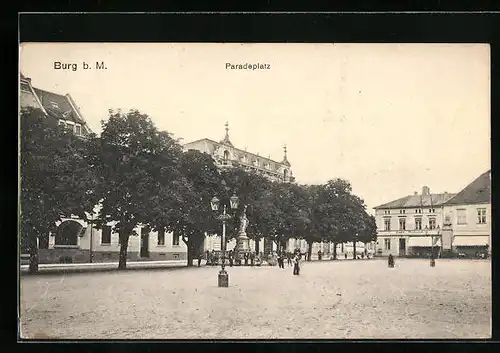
[57, 105]
[479, 191]
[416, 201]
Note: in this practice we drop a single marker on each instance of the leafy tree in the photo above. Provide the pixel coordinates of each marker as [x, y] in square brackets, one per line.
[191, 215]
[57, 178]
[138, 165]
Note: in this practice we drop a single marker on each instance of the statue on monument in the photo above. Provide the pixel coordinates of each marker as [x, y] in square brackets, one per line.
[243, 221]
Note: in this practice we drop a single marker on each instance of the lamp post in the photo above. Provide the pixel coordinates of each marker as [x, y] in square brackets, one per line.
[223, 279]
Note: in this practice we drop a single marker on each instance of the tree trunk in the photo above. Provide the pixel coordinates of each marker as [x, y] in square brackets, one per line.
[335, 251]
[190, 250]
[309, 250]
[122, 261]
[354, 250]
[33, 250]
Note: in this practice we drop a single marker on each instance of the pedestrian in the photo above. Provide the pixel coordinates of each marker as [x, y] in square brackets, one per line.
[390, 261]
[231, 258]
[281, 260]
[362, 255]
[296, 265]
[345, 256]
[289, 258]
[319, 255]
[245, 256]
[199, 259]
[252, 258]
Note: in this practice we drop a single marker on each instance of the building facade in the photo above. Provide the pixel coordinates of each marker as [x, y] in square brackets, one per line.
[467, 225]
[75, 240]
[412, 225]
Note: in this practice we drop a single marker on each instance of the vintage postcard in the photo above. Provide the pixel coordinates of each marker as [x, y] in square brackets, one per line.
[254, 191]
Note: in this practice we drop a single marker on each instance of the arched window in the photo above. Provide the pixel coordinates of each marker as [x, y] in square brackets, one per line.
[226, 157]
[67, 233]
[285, 174]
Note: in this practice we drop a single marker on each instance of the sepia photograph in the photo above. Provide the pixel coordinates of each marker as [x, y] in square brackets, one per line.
[254, 191]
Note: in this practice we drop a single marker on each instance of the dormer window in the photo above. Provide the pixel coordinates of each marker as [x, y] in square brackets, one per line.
[25, 87]
[78, 129]
[54, 105]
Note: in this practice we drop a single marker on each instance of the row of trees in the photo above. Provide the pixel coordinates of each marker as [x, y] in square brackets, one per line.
[141, 176]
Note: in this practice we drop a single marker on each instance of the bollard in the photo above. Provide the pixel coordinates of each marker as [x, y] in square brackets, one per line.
[223, 279]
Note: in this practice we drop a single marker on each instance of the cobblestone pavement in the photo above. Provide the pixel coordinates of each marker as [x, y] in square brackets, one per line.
[331, 299]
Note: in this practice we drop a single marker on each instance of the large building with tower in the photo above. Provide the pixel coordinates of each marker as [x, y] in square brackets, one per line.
[226, 155]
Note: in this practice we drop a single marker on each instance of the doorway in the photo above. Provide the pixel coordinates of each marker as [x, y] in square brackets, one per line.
[402, 247]
[144, 242]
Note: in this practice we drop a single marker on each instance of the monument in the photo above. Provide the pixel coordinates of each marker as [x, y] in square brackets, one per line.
[242, 240]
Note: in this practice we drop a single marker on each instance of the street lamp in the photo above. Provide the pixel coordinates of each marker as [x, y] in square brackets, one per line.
[223, 280]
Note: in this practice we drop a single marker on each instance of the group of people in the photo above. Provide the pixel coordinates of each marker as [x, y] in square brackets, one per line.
[232, 258]
[293, 259]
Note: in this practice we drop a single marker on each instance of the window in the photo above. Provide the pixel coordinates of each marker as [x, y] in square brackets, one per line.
[481, 215]
[432, 210]
[25, 87]
[175, 239]
[418, 223]
[78, 129]
[387, 224]
[461, 216]
[62, 124]
[106, 235]
[54, 105]
[161, 237]
[387, 211]
[387, 244]
[402, 211]
[432, 223]
[418, 210]
[402, 224]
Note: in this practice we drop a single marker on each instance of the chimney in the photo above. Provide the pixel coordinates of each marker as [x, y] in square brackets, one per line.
[425, 190]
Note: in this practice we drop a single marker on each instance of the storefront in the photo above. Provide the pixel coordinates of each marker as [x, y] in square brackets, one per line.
[423, 247]
[471, 246]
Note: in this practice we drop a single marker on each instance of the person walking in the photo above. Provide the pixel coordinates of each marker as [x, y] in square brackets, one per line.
[252, 258]
[199, 259]
[281, 260]
[231, 258]
[296, 265]
[289, 259]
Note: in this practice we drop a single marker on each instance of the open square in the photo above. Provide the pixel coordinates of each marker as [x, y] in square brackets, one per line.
[330, 299]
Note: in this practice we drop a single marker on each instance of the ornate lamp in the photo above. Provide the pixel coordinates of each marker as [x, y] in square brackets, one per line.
[234, 200]
[214, 203]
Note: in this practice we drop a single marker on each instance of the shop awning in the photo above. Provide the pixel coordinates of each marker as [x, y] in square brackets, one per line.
[463, 240]
[423, 241]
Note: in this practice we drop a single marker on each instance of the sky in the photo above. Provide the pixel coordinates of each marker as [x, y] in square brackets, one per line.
[390, 118]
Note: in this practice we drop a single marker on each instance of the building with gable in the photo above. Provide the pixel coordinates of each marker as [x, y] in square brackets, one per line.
[467, 219]
[61, 108]
[411, 225]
